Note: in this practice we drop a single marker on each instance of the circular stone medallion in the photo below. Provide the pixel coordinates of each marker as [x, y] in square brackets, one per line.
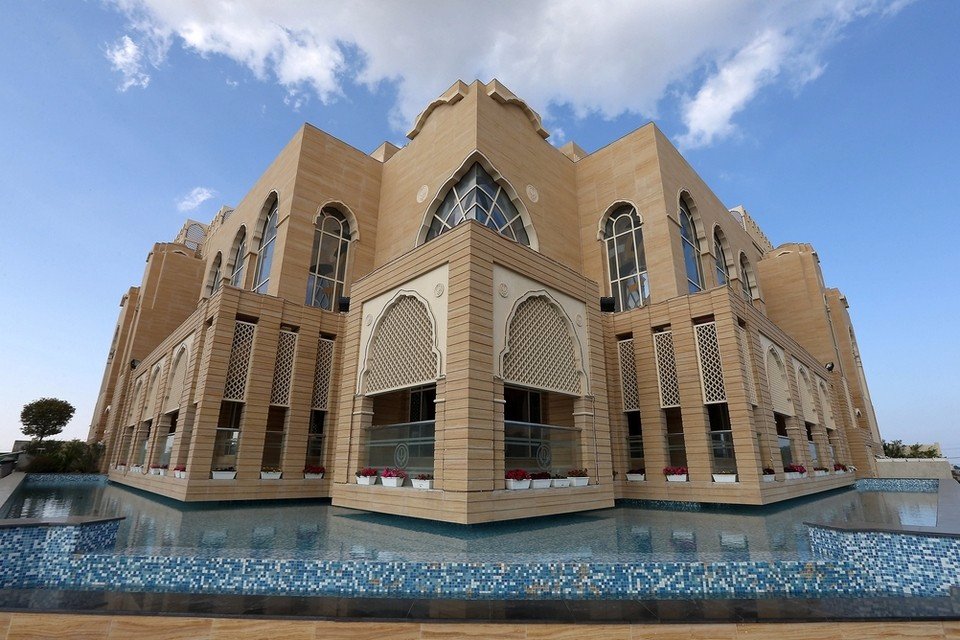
[532, 193]
[423, 193]
[503, 289]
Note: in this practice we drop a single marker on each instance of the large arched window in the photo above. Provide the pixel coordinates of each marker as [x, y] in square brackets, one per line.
[623, 234]
[478, 197]
[328, 264]
[691, 249]
[239, 258]
[215, 275]
[265, 252]
[746, 278]
[723, 273]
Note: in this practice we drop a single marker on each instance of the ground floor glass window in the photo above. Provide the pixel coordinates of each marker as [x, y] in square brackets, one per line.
[227, 438]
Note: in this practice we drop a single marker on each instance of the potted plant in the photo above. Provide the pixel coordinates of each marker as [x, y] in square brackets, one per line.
[423, 481]
[820, 471]
[224, 473]
[180, 471]
[839, 468]
[313, 472]
[794, 471]
[578, 477]
[136, 468]
[121, 466]
[517, 479]
[155, 469]
[638, 474]
[675, 474]
[367, 476]
[393, 477]
[540, 480]
[769, 475]
[724, 476]
[559, 481]
[270, 473]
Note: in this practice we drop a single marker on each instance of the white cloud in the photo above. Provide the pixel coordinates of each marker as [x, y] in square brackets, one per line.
[196, 197]
[608, 58]
[126, 57]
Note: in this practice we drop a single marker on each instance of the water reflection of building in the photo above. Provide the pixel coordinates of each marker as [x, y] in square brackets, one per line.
[475, 261]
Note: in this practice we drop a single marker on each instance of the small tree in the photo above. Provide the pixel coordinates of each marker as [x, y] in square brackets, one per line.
[45, 417]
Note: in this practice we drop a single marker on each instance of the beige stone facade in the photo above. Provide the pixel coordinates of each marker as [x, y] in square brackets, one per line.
[437, 309]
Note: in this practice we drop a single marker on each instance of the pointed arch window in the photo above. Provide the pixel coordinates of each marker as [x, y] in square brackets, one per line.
[328, 264]
[239, 259]
[691, 249]
[265, 252]
[477, 196]
[215, 275]
[623, 235]
[746, 278]
[723, 273]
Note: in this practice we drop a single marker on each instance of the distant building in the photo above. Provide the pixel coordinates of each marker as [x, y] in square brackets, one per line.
[437, 308]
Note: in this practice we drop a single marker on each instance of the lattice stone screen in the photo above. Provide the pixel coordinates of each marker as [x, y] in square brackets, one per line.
[808, 408]
[283, 369]
[402, 350]
[321, 375]
[628, 375]
[135, 399]
[828, 419]
[746, 362]
[666, 369]
[177, 378]
[711, 367]
[541, 353]
[235, 385]
[777, 381]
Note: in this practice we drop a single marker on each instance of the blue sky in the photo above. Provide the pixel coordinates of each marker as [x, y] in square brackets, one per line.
[833, 121]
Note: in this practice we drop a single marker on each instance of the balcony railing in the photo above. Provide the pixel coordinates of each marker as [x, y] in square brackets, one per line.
[540, 447]
[407, 445]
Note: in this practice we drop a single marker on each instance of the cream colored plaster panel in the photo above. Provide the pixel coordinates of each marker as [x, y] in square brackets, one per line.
[431, 288]
[509, 289]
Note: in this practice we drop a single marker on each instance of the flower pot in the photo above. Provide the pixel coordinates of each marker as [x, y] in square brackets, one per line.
[543, 483]
[154, 472]
[224, 475]
[560, 483]
[270, 475]
[392, 482]
[724, 477]
[769, 478]
[678, 477]
[121, 468]
[367, 480]
[636, 477]
[136, 469]
[514, 485]
[578, 481]
[161, 472]
[792, 475]
[819, 473]
[312, 476]
[422, 484]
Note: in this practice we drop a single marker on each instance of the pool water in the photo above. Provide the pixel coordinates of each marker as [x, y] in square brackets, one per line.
[315, 529]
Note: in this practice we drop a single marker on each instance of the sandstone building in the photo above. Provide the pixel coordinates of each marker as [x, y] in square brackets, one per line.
[437, 307]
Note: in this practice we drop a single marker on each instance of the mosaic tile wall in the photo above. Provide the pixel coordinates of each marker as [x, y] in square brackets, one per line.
[907, 485]
[59, 479]
[850, 564]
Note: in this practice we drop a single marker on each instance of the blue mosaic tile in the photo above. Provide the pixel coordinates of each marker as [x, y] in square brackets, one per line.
[59, 479]
[905, 485]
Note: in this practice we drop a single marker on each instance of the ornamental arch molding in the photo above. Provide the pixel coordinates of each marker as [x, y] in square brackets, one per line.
[343, 210]
[542, 348]
[402, 350]
[477, 157]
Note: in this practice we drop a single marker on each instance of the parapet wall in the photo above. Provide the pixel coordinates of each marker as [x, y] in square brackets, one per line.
[914, 468]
